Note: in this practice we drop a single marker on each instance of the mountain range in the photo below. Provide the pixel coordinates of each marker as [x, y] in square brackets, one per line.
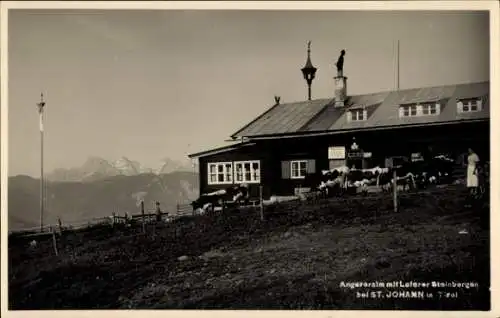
[96, 168]
[98, 188]
[78, 201]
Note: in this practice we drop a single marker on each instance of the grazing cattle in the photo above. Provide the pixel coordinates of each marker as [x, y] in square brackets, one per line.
[339, 180]
[335, 187]
[327, 183]
[238, 193]
[410, 176]
[438, 170]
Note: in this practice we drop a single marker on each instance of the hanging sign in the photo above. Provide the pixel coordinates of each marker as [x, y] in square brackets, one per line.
[356, 155]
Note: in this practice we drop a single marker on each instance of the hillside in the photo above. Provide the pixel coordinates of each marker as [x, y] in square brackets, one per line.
[296, 259]
[77, 201]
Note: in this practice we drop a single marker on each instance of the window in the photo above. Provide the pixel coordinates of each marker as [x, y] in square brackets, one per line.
[357, 115]
[298, 169]
[425, 109]
[408, 111]
[247, 171]
[470, 105]
[429, 109]
[220, 173]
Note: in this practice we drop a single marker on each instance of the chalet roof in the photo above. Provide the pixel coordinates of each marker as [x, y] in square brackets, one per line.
[231, 145]
[383, 110]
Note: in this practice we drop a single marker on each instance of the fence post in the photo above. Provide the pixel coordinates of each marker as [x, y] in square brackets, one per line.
[143, 217]
[54, 241]
[60, 224]
[395, 190]
[158, 212]
[261, 203]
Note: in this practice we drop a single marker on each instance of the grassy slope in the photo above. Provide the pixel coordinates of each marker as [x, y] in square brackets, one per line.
[295, 259]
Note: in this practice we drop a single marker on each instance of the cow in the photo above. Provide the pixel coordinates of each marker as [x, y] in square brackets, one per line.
[240, 194]
[237, 193]
[437, 170]
[206, 201]
[33, 244]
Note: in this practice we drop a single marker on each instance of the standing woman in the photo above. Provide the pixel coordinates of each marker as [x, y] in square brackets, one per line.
[472, 172]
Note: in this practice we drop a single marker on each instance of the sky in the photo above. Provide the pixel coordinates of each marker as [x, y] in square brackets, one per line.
[154, 84]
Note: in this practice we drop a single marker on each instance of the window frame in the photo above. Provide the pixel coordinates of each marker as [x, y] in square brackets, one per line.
[292, 170]
[467, 105]
[225, 173]
[358, 114]
[255, 174]
[407, 110]
[427, 109]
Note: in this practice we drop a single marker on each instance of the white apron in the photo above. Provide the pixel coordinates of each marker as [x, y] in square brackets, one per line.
[472, 179]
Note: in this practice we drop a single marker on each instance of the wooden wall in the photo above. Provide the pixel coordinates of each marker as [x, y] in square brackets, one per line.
[431, 140]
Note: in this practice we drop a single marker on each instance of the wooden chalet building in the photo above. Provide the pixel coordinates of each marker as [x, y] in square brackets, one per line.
[280, 146]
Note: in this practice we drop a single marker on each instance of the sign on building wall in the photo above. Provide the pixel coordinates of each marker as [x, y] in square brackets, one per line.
[336, 152]
[356, 155]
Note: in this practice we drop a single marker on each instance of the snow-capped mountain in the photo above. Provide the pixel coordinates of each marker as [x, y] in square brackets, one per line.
[129, 167]
[95, 168]
[168, 165]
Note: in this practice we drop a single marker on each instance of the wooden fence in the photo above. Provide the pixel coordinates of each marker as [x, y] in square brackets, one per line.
[184, 209]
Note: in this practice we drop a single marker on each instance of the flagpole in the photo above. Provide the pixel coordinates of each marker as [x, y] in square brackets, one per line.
[397, 65]
[42, 194]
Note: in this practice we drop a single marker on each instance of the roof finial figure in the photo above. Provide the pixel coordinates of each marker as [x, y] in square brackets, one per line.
[309, 71]
[41, 104]
[340, 64]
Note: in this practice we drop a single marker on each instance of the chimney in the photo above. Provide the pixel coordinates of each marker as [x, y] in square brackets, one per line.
[277, 100]
[340, 82]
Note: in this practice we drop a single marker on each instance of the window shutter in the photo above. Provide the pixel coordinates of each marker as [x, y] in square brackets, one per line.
[460, 107]
[311, 166]
[285, 169]
[438, 108]
[349, 116]
[479, 104]
[365, 114]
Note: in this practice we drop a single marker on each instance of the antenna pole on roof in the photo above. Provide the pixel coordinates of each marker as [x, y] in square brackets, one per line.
[397, 66]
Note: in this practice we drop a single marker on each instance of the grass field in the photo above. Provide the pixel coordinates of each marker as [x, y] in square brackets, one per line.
[295, 259]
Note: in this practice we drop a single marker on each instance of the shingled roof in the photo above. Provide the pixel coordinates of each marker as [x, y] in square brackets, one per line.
[383, 110]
